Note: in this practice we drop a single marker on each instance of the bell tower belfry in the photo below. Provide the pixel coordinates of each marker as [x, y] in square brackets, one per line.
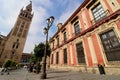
[14, 42]
[22, 24]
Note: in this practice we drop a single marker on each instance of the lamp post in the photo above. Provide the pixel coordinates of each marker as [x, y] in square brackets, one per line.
[46, 29]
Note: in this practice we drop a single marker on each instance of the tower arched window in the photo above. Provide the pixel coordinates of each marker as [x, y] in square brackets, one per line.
[16, 44]
[26, 14]
[23, 24]
[28, 9]
[13, 45]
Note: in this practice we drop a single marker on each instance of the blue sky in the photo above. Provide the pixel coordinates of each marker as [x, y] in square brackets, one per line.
[43, 9]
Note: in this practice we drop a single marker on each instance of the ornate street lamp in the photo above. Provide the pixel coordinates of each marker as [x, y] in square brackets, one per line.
[46, 29]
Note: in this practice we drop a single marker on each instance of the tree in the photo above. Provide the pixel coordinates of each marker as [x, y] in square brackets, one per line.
[7, 63]
[39, 52]
[32, 58]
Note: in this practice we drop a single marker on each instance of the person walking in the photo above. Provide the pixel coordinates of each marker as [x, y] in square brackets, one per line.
[101, 69]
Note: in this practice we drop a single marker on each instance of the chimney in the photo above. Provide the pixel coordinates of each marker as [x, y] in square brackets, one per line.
[59, 25]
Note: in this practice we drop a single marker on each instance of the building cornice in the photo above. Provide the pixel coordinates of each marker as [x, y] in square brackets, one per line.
[73, 15]
[91, 28]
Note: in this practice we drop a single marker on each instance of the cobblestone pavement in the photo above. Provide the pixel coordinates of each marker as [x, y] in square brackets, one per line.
[67, 75]
[23, 74]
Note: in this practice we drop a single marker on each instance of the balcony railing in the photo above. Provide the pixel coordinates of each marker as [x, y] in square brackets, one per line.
[100, 17]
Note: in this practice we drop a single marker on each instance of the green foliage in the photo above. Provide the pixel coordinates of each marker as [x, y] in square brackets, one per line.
[33, 58]
[13, 64]
[20, 65]
[7, 63]
[39, 52]
[38, 67]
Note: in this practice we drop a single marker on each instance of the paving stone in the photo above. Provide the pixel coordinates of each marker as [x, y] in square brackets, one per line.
[23, 74]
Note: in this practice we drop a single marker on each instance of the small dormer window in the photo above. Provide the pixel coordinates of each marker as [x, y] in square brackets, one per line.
[113, 3]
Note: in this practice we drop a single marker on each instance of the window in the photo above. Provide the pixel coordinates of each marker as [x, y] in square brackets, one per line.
[23, 24]
[111, 45]
[21, 29]
[15, 31]
[19, 34]
[113, 3]
[65, 37]
[77, 28]
[53, 44]
[24, 34]
[52, 59]
[27, 26]
[16, 44]
[57, 40]
[18, 23]
[80, 53]
[90, 4]
[28, 9]
[13, 45]
[26, 14]
[12, 54]
[98, 12]
[57, 57]
[65, 55]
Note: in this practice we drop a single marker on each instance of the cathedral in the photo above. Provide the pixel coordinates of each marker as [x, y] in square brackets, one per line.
[12, 45]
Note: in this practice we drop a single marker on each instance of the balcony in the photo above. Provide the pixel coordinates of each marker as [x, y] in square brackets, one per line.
[100, 17]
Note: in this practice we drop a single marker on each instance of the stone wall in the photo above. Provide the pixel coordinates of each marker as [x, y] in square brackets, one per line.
[94, 70]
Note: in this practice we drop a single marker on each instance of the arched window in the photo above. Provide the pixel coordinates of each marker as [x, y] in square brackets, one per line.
[26, 14]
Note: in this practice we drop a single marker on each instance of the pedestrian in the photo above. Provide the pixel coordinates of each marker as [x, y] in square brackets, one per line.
[16, 66]
[5, 70]
[31, 68]
[34, 68]
[101, 69]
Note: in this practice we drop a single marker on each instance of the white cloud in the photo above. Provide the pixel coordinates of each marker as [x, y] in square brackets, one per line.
[70, 8]
[43, 3]
[31, 41]
[39, 14]
[9, 13]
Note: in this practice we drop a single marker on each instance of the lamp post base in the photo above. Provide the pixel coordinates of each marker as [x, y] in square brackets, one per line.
[43, 76]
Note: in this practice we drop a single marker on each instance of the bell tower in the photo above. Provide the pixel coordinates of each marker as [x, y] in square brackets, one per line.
[15, 40]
